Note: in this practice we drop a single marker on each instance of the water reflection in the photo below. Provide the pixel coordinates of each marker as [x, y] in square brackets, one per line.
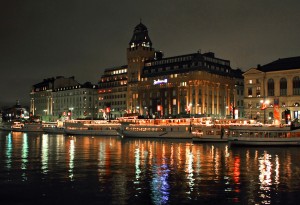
[24, 156]
[71, 159]
[142, 171]
[8, 150]
[45, 153]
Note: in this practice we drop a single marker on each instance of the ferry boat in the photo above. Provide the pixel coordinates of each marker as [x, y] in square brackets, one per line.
[6, 126]
[156, 128]
[264, 135]
[26, 127]
[210, 133]
[54, 127]
[214, 130]
[92, 127]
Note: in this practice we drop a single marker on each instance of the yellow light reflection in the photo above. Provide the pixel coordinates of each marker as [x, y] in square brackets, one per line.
[189, 155]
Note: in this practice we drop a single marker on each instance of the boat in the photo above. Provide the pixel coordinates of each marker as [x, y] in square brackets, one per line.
[210, 133]
[157, 128]
[263, 135]
[54, 127]
[92, 127]
[6, 126]
[26, 127]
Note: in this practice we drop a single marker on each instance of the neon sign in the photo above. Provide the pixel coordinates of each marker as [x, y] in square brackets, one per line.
[156, 82]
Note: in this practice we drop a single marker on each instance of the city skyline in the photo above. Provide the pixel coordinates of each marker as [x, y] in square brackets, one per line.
[82, 38]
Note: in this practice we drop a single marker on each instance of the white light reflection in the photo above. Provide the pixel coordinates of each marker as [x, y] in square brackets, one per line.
[8, 150]
[71, 162]
[189, 170]
[45, 152]
[24, 155]
[137, 164]
[101, 160]
[265, 168]
[277, 166]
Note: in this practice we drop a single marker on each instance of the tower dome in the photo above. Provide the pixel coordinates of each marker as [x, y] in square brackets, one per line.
[140, 37]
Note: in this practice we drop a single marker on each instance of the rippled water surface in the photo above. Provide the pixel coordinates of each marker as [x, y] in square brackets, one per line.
[59, 169]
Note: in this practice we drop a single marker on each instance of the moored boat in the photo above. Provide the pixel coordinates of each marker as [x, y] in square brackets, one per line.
[263, 135]
[27, 127]
[92, 127]
[6, 126]
[157, 128]
[54, 127]
[210, 133]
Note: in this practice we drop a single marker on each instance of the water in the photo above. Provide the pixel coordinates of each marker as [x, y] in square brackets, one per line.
[58, 169]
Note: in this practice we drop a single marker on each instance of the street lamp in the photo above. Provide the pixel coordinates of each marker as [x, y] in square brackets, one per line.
[264, 103]
[71, 112]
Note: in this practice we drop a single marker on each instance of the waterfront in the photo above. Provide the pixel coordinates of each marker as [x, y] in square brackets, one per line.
[55, 169]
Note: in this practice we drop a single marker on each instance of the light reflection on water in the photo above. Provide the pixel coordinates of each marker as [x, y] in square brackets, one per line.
[121, 171]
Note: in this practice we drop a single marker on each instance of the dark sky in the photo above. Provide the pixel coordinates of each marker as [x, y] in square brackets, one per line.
[46, 38]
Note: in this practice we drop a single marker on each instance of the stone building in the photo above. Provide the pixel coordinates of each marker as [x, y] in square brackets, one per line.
[193, 84]
[112, 92]
[61, 97]
[272, 91]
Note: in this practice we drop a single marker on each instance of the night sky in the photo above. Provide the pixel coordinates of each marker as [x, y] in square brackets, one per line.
[41, 39]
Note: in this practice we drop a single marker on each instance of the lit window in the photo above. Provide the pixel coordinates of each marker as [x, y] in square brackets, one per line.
[250, 81]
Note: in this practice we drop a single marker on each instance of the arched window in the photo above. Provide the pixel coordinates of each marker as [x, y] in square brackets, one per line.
[296, 86]
[270, 87]
[283, 86]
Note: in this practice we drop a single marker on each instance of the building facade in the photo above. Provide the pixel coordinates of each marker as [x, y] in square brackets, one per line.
[192, 84]
[112, 93]
[63, 98]
[272, 91]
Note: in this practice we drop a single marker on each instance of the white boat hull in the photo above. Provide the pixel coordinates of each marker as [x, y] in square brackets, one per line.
[162, 135]
[92, 132]
[54, 130]
[264, 136]
[265, 142]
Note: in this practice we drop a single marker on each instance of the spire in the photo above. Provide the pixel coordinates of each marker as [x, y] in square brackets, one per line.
[140, 36]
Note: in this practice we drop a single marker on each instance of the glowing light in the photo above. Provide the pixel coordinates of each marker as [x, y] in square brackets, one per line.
[157, 82]
[45, 150]
[8, 150]
[24, 155]
[71, 162]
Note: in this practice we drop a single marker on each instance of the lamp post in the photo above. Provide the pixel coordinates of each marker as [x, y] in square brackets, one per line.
[71, 112]
[264, 103]
[45, 111]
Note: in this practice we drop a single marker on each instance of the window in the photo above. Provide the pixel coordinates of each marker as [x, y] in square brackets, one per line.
[283, 86]
[270, 87]
[174, 93]
[250, 81]
[258, 91]
[296, 86]
[249, 92]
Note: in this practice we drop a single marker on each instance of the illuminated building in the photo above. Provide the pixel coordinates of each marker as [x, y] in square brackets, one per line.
[193, 84]
[112, 92]
[65, 98]
[272, 89]
[188, 84]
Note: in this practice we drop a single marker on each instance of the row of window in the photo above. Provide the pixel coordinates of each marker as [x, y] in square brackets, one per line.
[282, 87]
[170, 60]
